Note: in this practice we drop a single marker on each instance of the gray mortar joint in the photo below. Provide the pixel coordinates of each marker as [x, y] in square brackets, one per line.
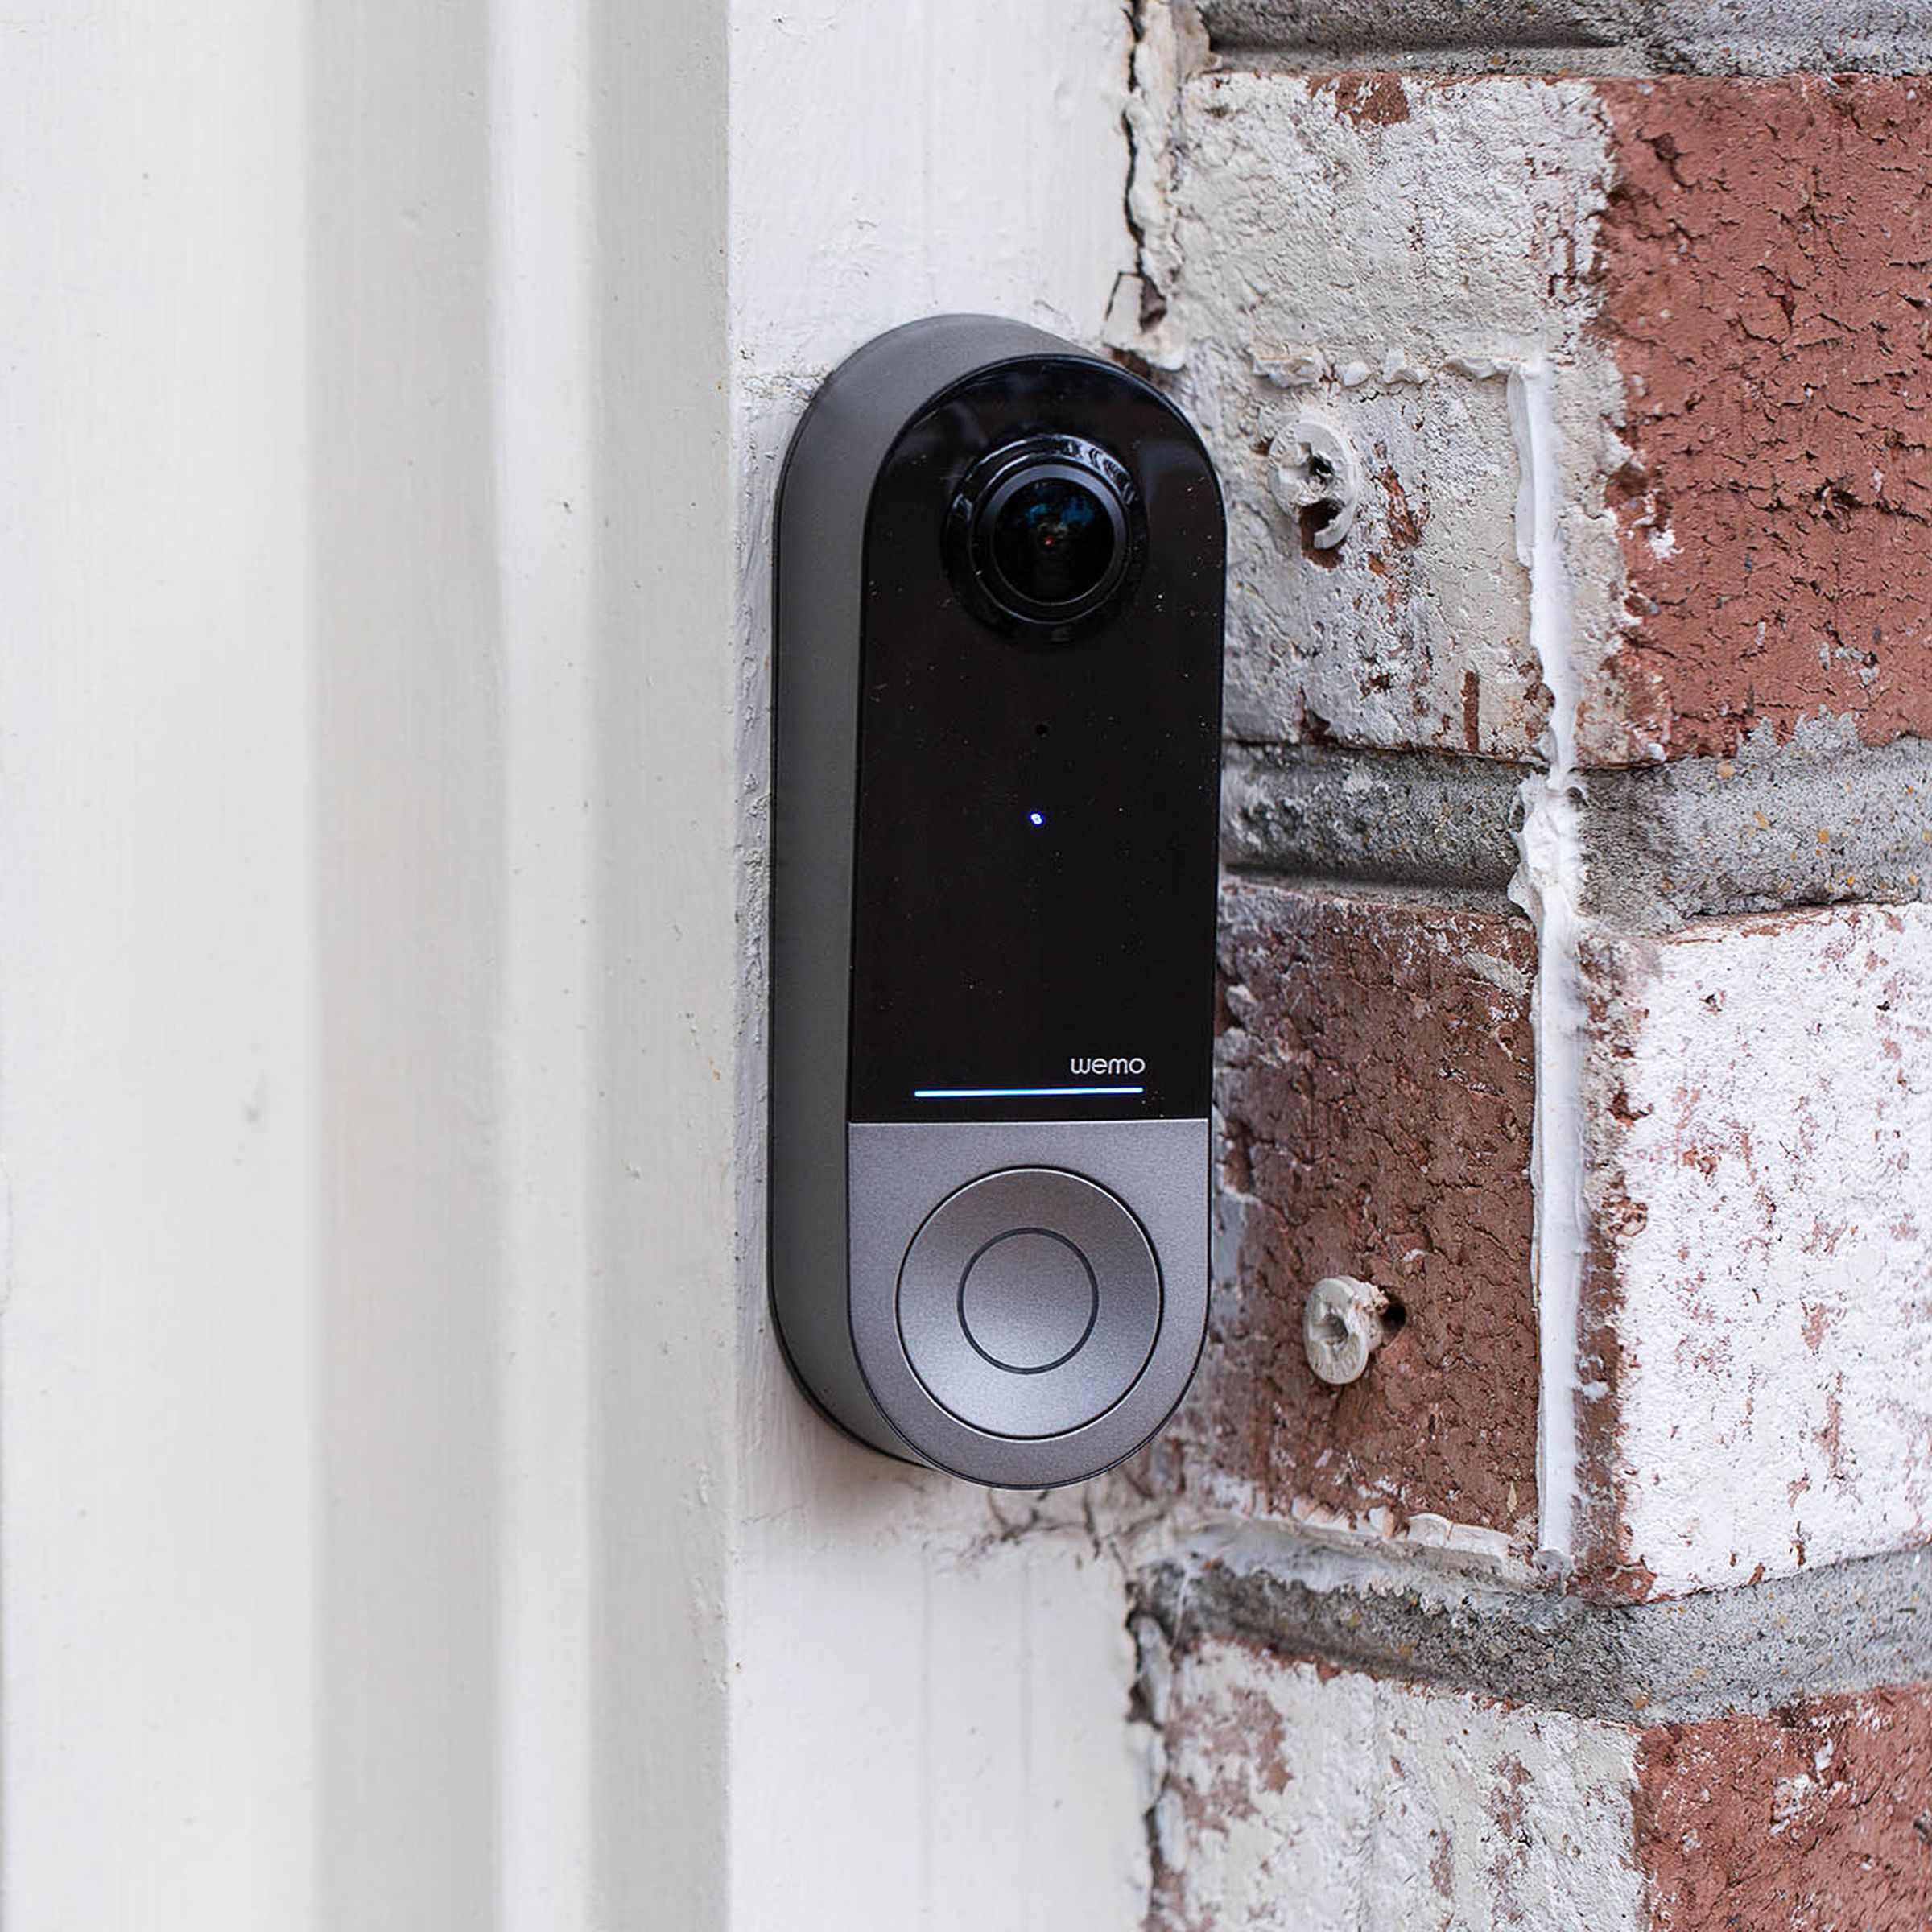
[1636, 37]
[1819, 820]
[1840, 1629]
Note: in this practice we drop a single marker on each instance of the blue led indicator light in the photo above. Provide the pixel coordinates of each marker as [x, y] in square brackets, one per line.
[1039, 818]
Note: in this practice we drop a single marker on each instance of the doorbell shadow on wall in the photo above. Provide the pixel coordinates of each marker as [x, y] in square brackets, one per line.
[996, 774]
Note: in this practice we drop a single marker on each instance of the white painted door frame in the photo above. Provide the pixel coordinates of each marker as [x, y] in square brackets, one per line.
[406, 1519]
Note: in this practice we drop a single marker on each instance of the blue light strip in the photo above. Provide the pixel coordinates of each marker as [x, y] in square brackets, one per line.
[1012, 1093]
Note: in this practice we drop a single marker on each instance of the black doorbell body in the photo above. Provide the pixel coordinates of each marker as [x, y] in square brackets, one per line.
[1000, 565]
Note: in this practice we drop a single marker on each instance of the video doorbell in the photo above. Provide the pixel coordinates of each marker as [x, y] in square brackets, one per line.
[996, 774]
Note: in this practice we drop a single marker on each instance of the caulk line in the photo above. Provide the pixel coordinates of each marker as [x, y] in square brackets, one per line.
[1548, 886]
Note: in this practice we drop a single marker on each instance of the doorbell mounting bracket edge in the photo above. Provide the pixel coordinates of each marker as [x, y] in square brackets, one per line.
[996, 769]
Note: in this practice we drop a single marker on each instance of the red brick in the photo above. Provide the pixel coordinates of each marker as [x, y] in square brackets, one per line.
[1818, 1817]
[1764, 260]
[1377, 1091]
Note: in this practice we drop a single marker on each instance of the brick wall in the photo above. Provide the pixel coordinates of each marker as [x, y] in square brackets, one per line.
[1570, 387]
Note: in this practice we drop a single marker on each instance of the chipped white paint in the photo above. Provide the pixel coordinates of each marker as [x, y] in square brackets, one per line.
[1344, 1803]
[1412, 623]
[1170, 43]
[1389, 260]
[1762, 1119]
[1305, 220]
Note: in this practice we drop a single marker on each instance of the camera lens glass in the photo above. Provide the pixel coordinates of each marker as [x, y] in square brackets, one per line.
[1045, 537]
[1054, 541]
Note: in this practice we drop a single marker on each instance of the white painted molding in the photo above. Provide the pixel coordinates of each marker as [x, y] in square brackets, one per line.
[157, 980]
[930, 1729]
[405, 1519]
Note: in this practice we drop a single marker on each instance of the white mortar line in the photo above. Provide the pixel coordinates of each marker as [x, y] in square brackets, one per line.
[1548, 886]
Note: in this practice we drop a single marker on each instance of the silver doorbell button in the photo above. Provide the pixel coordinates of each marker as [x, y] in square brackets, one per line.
[1029, 1302]
[995, 787]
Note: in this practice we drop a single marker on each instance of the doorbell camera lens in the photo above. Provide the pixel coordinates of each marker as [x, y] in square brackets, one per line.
[1053, 543]
[1045, 535]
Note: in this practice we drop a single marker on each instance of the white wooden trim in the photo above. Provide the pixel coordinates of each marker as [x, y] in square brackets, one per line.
[669, 1007]
[542, 301]
[405, 1519]
[158, 980]
[929, 1723]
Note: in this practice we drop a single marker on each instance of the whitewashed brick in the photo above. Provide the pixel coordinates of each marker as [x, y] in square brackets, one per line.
[1395, 261]
[1417, 628]
[1762, 1175]
[1296, 1799]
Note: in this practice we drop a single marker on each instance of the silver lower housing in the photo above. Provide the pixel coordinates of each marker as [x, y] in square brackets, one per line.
[898, 1173]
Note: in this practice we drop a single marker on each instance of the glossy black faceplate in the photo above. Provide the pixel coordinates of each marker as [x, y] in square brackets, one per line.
[1036, 844]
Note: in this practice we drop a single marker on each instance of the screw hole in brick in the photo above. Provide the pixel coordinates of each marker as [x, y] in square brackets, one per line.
[1393, 1316]
[1312, 521]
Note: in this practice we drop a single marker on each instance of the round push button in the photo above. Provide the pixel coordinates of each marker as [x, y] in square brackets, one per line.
[1029, 1302]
